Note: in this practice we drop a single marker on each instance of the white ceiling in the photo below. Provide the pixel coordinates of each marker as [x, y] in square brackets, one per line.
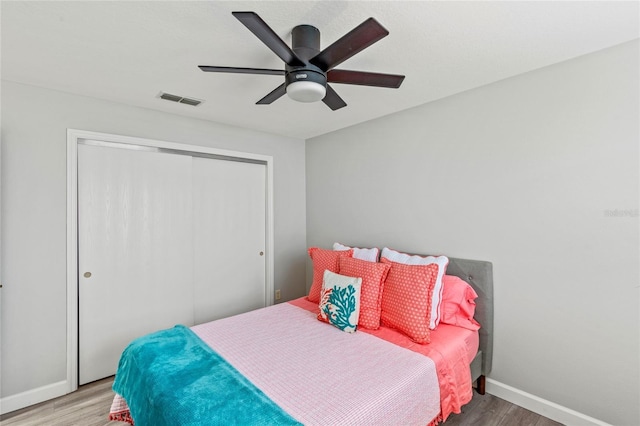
[129, 51]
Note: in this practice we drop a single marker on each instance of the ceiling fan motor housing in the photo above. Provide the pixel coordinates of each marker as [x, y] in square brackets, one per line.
[305, 42]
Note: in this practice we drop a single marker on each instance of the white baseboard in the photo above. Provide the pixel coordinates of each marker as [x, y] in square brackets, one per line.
[541, 406]
[33, 396]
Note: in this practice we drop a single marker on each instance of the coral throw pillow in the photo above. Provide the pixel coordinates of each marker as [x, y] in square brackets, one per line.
[441, 261]
[340, 301]
[406, 300]
[323, 260]
[373, 276]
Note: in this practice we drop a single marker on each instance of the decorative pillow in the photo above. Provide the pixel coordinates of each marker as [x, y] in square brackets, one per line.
[406, 300]
[373, 276]
[441, 261]
[323, 260]
[368, 254]
[340, 301]
[458, 303]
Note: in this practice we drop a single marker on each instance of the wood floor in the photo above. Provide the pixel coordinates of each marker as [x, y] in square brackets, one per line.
[489, 410]
[89, 406]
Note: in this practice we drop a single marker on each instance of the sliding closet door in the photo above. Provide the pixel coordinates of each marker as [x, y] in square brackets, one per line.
[135, 250]
[229, 237]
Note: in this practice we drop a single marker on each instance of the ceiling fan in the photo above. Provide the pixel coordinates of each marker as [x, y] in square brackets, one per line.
[307, 70]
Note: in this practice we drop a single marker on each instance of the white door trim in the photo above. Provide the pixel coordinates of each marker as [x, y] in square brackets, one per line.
[74, 137]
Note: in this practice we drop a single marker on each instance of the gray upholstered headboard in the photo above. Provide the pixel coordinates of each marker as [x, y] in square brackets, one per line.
[479, 275]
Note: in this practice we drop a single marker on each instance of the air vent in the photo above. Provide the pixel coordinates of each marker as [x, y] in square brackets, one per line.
[179, 99]
[188, 101]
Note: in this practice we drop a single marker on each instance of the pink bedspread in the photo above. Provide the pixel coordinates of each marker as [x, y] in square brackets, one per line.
[452, 349]
[322, 376]
[422, 389]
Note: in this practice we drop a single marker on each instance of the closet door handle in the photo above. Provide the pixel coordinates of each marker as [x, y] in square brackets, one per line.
[87, 274]
[261, 253]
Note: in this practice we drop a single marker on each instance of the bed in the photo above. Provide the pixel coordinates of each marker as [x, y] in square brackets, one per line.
[280, 365]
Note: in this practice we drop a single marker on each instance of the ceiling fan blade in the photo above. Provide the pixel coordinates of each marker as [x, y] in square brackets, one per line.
[274, 95]
[363, 78]
[356, 40]
[332, 100]
[257, 26]
[236, 70]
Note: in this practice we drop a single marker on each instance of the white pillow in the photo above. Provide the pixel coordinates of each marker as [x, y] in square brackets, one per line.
[368, 254]
[340, 301]
[441, 261]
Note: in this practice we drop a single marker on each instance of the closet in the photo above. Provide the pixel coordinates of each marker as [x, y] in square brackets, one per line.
[165, 237]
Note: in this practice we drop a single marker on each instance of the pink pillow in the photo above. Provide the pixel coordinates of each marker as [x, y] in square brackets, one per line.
[458, 303]
[323, 260]
[406, 300]
[373, 276]
[441, 261]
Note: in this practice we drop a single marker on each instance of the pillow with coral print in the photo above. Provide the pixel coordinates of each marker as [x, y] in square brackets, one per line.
[340, 301]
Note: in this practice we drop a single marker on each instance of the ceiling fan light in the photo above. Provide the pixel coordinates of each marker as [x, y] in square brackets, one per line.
[306, 91]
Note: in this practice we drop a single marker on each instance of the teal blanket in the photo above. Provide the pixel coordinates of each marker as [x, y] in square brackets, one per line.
[172, 377]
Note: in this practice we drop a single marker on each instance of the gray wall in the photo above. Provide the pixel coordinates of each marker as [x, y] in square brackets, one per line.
[34, 126]
[527, 173]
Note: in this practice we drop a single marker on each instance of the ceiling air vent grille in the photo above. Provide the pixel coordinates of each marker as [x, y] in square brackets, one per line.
[180, 99]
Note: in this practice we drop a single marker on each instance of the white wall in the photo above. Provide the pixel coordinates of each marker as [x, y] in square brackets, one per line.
[522, 173]
[34, 126]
